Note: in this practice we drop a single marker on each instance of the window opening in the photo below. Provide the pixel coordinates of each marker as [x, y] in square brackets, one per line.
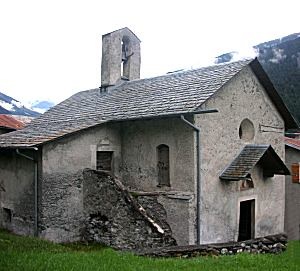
[296, 173]
[246, 130]
[163, 165]
[104, 160]
[126, 54]
[246, 184]
[7, 214]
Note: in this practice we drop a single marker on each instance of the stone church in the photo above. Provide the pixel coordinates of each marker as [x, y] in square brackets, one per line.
[204, 146]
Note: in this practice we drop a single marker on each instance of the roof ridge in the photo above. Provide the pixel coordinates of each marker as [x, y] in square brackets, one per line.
[183, 71]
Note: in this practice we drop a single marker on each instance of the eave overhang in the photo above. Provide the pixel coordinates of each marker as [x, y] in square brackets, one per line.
[249, 157]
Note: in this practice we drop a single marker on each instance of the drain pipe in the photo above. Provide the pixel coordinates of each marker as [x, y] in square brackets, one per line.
[197, 131]
[35, 188]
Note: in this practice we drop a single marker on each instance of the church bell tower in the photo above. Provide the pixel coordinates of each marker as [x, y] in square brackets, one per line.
[121, 57]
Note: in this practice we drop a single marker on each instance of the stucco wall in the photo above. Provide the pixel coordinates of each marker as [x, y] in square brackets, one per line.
[137, 165]
[292, 200]
[78, 151]
[16, 193]
[112, 57]
[181, 217]
[139, 157]
[61, 186]
[242, 97]
[139, 169]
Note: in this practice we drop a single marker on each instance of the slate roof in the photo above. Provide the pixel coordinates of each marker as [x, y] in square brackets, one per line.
[176, 93]
[10, 122]
[249, 157]
[292, 142]
[180, 92]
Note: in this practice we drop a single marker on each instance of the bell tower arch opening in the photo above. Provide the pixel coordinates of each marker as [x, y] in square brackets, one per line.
[126, 55]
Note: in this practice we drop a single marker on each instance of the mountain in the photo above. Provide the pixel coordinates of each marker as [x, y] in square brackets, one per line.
[10, 106]
[41, 106]
[281, 60]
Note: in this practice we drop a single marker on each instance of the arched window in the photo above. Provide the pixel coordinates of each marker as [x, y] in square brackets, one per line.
[163, 165]
[246, 130]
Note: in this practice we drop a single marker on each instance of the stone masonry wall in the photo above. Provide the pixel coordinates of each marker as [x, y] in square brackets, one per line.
[114, 217]
[61, 214]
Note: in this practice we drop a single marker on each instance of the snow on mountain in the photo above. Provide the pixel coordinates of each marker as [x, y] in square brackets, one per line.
[41, 106]
[11, 106]
[7, 106]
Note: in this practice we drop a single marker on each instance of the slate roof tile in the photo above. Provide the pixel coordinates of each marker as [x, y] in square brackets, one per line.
[249, 157]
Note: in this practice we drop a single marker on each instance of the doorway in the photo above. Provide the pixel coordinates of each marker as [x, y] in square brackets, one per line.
[247, 220]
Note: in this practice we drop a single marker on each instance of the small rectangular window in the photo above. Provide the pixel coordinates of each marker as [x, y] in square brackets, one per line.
[104, 160]
[296, 173]
[7, 214]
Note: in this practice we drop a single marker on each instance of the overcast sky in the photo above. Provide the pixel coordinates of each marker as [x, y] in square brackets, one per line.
[52, 49]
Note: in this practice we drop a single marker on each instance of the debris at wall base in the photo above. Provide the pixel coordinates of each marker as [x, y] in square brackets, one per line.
[274, 244]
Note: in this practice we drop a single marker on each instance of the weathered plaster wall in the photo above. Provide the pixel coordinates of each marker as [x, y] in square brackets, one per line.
[243, 97]
[138, 166]
[16, 193]
[78, 151]
[292, 199]
[179, 213]
[112, 57]
[61, 186]
[139, 169]
[139, 156]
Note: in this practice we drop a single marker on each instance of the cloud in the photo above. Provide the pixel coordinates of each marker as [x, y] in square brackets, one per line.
[278, 55]
[244, 53]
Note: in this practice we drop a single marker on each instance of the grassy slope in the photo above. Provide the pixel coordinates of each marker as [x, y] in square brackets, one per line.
[23, 253]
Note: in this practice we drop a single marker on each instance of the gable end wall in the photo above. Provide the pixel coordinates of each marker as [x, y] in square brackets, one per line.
[242, 97]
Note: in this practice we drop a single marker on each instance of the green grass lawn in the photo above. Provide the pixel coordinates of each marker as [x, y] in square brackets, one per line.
[25, 253]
